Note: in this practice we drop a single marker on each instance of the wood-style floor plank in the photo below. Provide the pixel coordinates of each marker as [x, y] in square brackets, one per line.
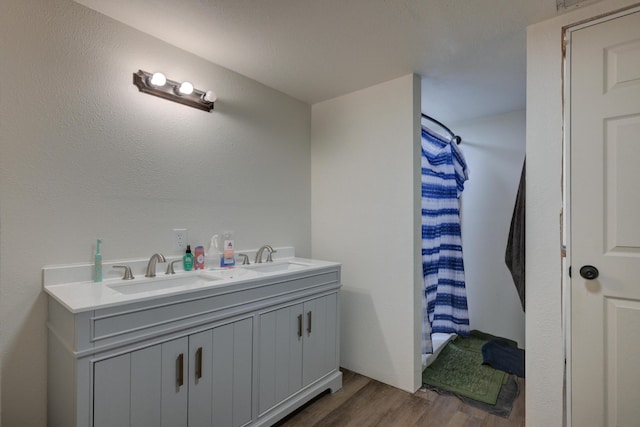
[366, 407]
[363, 402]
[407, 414]
[309, 415]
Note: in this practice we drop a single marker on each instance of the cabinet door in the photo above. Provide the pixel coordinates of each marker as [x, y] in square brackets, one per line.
[320, 338]
[280, 355]
[175, 364]
[111, 396]
[127, 389]
[200, 379]
[232, 366]
[146, 387]
[220, 377]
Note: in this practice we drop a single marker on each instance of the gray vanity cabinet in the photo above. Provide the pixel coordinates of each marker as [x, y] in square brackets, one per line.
[232, 355]
[196, 381]
[298, 346]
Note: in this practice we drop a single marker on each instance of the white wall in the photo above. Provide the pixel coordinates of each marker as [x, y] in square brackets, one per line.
[545, 359]
[494, 150]
[83, 155]
[365, 212]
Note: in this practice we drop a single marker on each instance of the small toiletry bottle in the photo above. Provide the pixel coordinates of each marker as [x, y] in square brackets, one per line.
[228, 259]
[198, 253]
[97, 263]
[187, 259]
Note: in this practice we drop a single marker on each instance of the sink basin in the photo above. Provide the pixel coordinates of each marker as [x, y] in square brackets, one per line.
[277, 267]
[159, 283]
[230, 273]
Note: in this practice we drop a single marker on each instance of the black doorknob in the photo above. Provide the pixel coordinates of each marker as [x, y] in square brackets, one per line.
[589, 272]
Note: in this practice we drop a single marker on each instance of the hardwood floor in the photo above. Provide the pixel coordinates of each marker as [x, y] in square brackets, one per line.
[363, 402]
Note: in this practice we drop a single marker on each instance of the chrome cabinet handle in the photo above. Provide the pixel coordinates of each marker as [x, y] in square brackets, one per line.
[180, 370]
[199, 363]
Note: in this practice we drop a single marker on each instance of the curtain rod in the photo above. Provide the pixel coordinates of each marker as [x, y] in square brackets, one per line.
[454, 137]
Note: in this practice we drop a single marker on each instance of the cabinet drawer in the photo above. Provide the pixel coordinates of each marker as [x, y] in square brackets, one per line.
[144, 320]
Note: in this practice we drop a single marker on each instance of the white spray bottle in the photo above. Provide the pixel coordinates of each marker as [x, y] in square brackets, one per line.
[212, 256]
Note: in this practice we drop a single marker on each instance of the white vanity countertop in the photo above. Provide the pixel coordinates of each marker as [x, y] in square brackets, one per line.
[83, 295]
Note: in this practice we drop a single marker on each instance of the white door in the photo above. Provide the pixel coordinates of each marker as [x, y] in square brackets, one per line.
[605, 222]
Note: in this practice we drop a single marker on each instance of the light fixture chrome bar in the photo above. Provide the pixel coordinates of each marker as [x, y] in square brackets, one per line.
[170, 91]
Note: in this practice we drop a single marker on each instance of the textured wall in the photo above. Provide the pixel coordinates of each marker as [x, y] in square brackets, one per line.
[365, 213]
[494, 149]
[83, 155]
[545, 340]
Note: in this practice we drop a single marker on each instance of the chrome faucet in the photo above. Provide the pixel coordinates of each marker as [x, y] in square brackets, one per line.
[170, 269]
[151, 266]
[128, 275]
[261, 250]
[245, 259]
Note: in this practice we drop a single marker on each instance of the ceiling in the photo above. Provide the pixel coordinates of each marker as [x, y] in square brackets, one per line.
[471, 54]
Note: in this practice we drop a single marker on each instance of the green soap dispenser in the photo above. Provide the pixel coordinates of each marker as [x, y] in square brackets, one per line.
[187, 259]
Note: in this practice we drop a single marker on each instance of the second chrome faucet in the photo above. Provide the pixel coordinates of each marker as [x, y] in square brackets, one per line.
[261, 250]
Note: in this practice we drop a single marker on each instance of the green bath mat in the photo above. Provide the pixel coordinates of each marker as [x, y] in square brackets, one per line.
[477, 339]
[459, 369]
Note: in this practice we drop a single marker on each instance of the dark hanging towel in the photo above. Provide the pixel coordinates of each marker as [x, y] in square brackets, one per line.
[514, 255]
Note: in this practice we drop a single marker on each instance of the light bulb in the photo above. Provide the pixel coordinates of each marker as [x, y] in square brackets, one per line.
[158, 79]
[186, 88]
[210, 96]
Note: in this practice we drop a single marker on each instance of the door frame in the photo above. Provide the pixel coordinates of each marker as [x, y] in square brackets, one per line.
[566, 189]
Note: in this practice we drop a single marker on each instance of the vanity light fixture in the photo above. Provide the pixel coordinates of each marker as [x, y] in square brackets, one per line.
[184, 93]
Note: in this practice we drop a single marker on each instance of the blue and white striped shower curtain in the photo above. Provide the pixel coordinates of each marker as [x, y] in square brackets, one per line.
[444, 299]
